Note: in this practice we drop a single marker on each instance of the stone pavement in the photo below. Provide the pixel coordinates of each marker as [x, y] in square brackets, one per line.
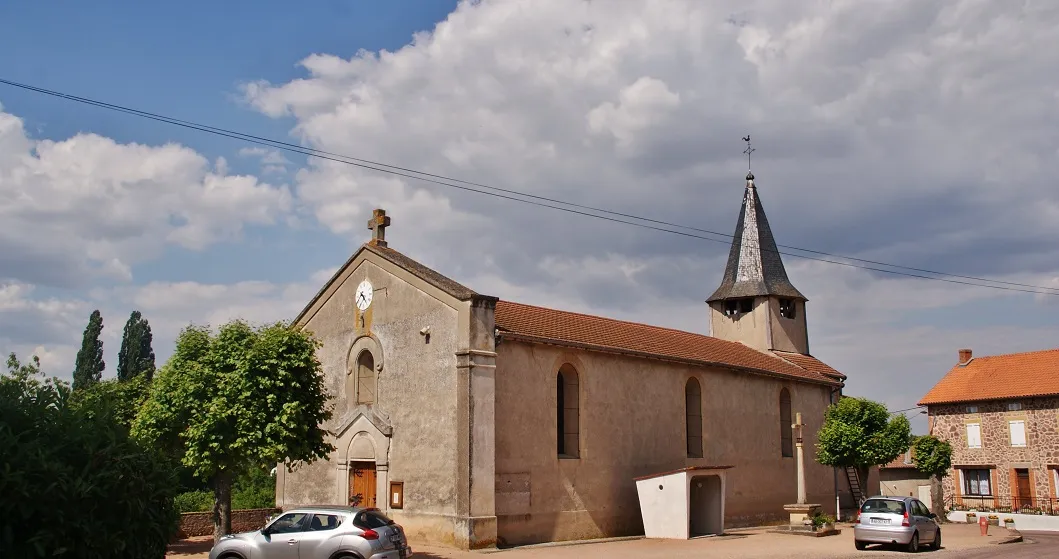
[754, 543]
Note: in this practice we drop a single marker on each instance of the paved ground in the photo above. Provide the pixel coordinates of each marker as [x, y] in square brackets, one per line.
[960, 540]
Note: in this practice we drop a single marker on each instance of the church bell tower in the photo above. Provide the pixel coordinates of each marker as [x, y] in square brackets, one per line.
[756, 304]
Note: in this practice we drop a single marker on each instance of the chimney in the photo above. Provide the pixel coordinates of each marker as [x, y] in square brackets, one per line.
[965, 356]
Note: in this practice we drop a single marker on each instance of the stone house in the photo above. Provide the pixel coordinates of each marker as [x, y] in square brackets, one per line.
[1000, 413]
[475, 421]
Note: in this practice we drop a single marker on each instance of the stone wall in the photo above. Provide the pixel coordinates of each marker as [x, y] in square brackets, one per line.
[1040, 455]
[201, 523]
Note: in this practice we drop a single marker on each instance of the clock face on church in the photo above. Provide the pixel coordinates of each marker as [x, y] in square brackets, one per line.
[363, 295]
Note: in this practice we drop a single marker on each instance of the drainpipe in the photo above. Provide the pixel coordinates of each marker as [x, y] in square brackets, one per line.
[834, 471]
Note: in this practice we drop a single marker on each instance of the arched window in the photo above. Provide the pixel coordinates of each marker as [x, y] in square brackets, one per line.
[566, 413]
[786, 434]
[693, 417]
[366, 380]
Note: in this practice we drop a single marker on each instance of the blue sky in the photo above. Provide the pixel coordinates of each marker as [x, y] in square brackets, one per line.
[924, 134]
[186, 61]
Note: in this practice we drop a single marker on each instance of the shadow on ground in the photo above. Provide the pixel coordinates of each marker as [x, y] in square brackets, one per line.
[190, 546]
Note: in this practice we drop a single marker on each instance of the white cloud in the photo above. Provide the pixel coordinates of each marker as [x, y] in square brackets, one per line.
[906, 131]
[88, 206]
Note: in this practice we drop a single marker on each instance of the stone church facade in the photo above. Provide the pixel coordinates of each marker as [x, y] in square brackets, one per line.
[475, 421]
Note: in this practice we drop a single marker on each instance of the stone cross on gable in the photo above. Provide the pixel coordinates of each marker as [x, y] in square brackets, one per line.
[378, 223]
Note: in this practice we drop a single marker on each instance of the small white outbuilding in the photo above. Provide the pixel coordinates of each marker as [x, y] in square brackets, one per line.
[683, 504]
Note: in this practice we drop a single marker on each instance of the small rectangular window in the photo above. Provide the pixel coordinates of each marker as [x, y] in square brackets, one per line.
[1017, 428]
[976, 482]
[972, 409]
[731, 307]
[974, 435]
[746, 305]
[1015, 406]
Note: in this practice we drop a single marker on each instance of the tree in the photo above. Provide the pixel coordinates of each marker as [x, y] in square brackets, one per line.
[136, 356]
[89, 366]
[860, 433]
[933, 456]
[120, 400]
[234, 401]
[75, 485]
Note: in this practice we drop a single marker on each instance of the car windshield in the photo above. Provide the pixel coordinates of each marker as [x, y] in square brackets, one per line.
[371, 519]
[885, 506]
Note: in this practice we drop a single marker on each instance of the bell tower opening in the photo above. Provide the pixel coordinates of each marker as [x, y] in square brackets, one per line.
[756, 303]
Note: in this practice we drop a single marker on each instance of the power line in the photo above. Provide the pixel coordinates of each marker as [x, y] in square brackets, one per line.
[515, 196]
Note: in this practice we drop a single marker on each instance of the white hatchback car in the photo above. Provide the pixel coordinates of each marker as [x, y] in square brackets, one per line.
[322, 532]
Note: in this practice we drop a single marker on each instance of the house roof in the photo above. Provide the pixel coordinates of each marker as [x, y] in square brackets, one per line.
[810, 363]
[544, 325]
[998, 377]
[754, 265]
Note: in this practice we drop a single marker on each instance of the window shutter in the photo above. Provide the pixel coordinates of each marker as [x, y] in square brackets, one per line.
[974, 435]
[1018, 432]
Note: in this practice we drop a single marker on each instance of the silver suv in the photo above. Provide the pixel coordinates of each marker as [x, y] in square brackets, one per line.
[322, 532]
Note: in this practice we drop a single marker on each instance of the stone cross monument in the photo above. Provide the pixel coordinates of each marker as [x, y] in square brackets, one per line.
[800, 512]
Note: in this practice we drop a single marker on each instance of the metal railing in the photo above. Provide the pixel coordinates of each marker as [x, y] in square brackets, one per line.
[1002, 504]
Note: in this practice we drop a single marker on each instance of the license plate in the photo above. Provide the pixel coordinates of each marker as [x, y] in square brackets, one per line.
[395, 538]
[879, 521]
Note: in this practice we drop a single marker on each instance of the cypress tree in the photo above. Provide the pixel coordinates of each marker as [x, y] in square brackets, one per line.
[136, 356]
[89, 367]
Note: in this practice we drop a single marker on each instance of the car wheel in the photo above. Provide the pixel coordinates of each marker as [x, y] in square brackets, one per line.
[913, 544]
[860, 545]
[936, 544]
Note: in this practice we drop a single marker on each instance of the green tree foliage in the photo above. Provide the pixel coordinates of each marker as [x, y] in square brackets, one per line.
[241, 398]
[861, 433]
[75, 485]
[136, 356]
[89, 366]
[254, 489]
[933, 456]
[120, 400]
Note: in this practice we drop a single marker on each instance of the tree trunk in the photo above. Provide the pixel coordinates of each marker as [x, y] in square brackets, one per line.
[222, 505]
[937, 498]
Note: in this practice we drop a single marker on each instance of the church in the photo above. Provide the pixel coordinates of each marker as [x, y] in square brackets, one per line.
[475, 421]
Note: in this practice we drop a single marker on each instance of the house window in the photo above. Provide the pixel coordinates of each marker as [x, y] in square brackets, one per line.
[787, 308]
[972, 409]
[908, 456]
[974, 435]
[1017, 429]
[693, 417]
[786, 434]
[1014, 406]
[566, 411]
[976, 482]
[366, 380]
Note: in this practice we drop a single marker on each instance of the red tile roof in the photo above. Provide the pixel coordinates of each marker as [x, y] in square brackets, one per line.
[998, 377]
[810, 363]
[539, 324]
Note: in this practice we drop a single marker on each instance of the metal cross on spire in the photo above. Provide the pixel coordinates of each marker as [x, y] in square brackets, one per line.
[748, 151]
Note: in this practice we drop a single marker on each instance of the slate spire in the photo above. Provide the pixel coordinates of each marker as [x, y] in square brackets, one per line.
[754, 266]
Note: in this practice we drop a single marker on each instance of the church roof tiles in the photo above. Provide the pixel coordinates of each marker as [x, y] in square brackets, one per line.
[543, 325]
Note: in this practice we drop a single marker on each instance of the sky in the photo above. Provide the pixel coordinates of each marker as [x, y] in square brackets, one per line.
[914, 132]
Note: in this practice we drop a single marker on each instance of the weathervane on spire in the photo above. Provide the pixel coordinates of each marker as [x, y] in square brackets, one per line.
[748, 150]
